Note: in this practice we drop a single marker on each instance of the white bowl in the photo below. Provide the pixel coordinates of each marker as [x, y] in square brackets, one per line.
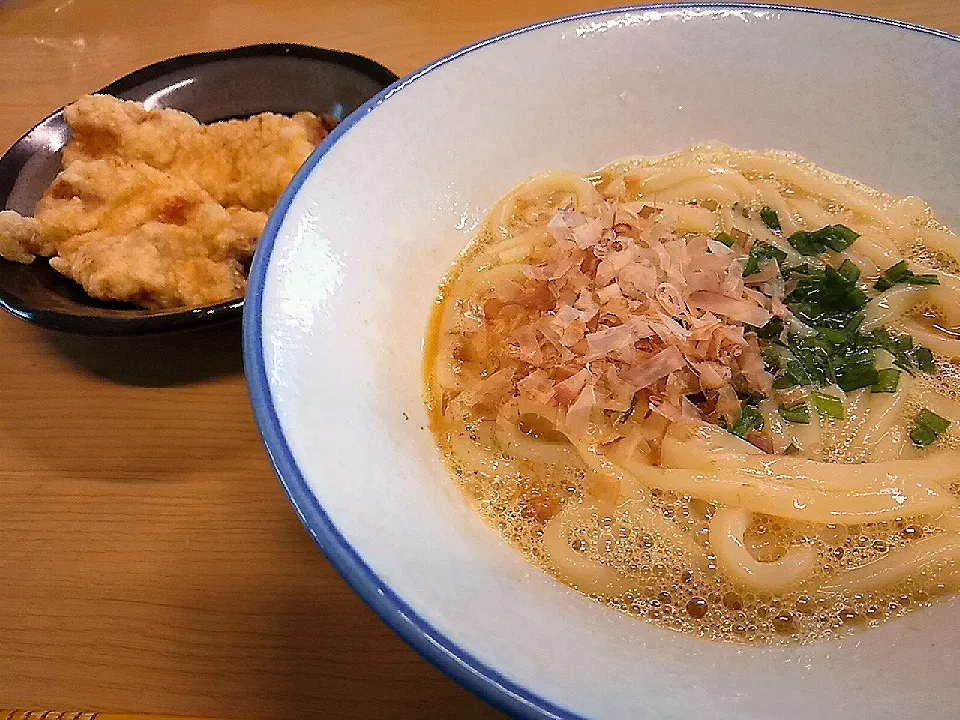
[349, 266]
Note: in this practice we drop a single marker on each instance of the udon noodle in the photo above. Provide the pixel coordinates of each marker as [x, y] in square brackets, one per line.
[715, 390]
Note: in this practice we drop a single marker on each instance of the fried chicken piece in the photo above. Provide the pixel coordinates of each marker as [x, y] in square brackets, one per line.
[131, 232]
[249, 162]
[20, 240]
[154, 208]
[239, 162]
[104, 126]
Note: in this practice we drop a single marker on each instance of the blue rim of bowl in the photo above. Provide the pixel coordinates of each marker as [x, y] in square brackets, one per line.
[140, 321]
[417, 631]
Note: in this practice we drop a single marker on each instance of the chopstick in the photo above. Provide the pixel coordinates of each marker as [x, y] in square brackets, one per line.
[54, 715]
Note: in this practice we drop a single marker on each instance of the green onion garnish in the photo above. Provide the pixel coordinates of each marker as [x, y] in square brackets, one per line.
[887, 381]
[770, 218]
[726, 238]
[831, 303]
[924, 359]
[750, 419]
[927, 427]
[901, 273]
[901, 347]
[772, 330]
[832, 237]
[762, 251]
[896, 273]
[849, 271]
[798, 413]
[828, 405]
[820, 293]
[782, 382]
[856, 376]
[837, 337]
[801, 372]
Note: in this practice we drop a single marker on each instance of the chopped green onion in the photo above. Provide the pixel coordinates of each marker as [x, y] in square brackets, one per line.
[837, 237]
[811, 360]
[927, 427]
[750, 419]
[837, 337]
[901, 273]
[798, 413]
[900, 347]
[726, 238]
[856, 376]
[832, 237]
[857, 298]
[827, 291]
[922, 436]
[762, 251]
[770, 218]
[897, 272]
[828, 405]
[853, 322]
[887, 381]
[831, 301]
[772, 330]
[849, 271]
[933, 421]
[924, 359]
[802, 269]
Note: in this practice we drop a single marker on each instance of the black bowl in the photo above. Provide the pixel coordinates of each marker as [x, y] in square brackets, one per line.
[210, 86]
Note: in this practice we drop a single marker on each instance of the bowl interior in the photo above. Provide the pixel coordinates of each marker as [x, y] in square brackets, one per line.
[349, 267]
[210, 86]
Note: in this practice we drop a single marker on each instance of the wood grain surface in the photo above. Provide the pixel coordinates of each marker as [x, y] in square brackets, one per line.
[149, 561]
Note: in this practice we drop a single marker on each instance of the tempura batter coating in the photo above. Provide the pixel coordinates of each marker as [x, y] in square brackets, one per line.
[19, 238]
[239, 162]
[128, 231]
[157, 209]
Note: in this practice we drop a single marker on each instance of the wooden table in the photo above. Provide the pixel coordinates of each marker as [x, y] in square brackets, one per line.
[149, 560]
